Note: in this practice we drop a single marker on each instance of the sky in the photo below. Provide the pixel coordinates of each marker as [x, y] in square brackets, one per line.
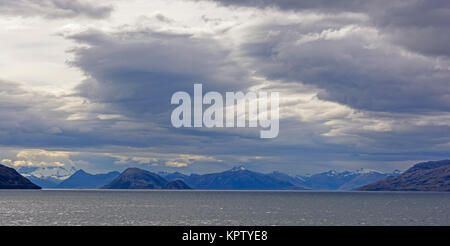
[88, 84]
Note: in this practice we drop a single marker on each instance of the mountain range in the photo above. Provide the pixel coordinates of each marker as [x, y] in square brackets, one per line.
[239, 178]
[425, 176]
[333, 180]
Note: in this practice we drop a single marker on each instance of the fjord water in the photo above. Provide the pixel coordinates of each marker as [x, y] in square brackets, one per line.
[154, 207]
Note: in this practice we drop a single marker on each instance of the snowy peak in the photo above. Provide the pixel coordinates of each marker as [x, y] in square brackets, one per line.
[237, 168]
[331, 173]
[60, 173]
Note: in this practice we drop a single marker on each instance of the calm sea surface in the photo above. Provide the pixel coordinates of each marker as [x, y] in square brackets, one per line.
[110, 207]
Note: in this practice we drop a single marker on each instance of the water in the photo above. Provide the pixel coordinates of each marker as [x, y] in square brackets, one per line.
[150, 207]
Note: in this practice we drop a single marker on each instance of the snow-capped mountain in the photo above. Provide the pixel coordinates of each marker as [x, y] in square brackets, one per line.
[60, 173]
[237, 168]
[47, 177]
[346, 180]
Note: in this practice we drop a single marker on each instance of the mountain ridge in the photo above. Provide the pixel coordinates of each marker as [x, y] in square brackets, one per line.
[83, 180]
[424, 176]
[235, 179]
[11, 179]
[135, 178]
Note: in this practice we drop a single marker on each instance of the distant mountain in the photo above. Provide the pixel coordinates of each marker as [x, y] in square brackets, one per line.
[135, 178]
[82, 180]
[425, 176]
[347, 180]
[11, 179]
[288, 179]
[60, 173]
[330, 180]
[239, 178]
[47, 177]
[363, 179]
[44, 182]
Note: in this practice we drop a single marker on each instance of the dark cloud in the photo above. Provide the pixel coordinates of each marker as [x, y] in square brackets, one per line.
[417, 25]
[32, 119]
[137, 72]
[351, 67]
[26, 116]
[54, 8]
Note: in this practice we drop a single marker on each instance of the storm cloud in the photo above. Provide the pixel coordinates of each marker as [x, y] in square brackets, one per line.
[353, 65]
[420, 26]
[137, 72]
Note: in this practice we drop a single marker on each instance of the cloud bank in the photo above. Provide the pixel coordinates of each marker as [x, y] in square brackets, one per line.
[363, 84]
